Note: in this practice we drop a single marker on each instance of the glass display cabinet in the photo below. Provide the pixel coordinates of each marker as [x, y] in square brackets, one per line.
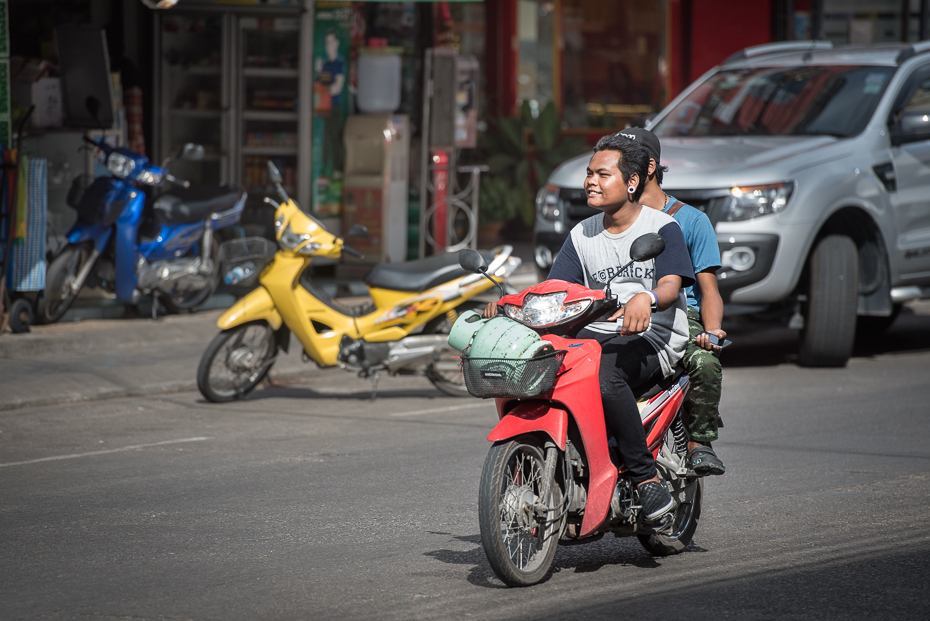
[232, 79]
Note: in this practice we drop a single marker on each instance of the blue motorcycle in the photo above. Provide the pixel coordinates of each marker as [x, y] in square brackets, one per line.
[133, 243]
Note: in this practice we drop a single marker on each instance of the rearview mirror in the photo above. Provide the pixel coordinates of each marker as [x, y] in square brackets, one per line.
[273, 174]
[193, 152]
[472, 261]
[913, 126]
[646, 247]
[358, 230]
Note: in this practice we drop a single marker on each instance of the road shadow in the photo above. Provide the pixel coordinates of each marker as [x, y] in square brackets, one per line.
[759, 346]
[889, 585]
[580, 559]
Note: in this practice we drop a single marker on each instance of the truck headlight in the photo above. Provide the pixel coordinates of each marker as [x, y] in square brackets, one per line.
[548, 203]
[747, 202]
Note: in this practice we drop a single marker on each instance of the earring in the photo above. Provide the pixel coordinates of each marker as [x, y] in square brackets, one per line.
[631, 189]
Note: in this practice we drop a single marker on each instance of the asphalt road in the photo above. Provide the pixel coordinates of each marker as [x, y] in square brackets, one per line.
[311, 501]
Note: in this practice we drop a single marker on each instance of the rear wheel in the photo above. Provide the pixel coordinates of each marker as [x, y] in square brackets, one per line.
[236, 360]
[830, 317]
[446, 373]
[181, 301]
[688, 493]
[519, 540]
[62, 273]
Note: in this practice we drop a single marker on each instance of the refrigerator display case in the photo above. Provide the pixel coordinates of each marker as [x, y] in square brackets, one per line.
[237, 81]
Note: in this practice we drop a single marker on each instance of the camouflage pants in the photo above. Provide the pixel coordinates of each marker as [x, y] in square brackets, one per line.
[701, 415]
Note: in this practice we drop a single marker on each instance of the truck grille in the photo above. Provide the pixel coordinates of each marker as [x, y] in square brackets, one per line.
[575, 202]
[703, 200]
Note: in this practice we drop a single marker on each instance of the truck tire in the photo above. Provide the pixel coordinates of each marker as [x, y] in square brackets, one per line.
[832, 300]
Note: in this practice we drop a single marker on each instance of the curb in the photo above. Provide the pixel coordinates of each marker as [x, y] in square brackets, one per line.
[164, 388]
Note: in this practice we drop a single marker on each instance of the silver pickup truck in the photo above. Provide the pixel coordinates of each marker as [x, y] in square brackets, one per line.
[813, 164]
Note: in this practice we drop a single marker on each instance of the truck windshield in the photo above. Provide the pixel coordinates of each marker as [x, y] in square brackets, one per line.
[780, 101]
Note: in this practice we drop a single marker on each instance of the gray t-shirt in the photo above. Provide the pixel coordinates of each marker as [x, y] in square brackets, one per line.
[591, 256]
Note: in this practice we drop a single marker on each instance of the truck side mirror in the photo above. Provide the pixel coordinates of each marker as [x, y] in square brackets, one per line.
[911, 126]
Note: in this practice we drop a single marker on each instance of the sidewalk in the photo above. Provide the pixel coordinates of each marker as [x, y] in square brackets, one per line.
[102, 354]
[107, 358]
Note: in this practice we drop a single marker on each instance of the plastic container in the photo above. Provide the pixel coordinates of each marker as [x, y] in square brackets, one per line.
[379, 78]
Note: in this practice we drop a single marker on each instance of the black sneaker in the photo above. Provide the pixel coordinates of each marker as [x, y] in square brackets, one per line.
[656, 500]
[704, 461]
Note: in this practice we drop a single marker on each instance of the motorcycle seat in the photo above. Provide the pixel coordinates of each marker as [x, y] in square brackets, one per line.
[648, 392]
[186, 205]
[419, 275]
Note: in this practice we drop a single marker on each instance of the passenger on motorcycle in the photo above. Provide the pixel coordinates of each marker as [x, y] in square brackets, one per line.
[643, 341]
[705, 312]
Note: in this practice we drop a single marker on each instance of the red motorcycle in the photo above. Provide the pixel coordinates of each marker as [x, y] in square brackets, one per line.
[551, 478]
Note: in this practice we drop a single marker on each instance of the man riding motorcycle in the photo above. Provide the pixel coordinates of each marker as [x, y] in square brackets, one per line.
[644, 340]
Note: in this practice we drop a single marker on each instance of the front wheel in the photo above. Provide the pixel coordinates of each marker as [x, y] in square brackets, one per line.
[830, 320]
[519, 530]
[236, 360]
[59, 292]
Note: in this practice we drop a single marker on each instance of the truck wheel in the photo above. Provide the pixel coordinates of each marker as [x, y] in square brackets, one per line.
[830, 313]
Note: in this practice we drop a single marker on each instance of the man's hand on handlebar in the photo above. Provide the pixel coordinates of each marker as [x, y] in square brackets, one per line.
[636, 314]
[490, 310]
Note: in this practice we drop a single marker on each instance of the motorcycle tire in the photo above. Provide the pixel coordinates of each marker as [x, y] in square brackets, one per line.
[520, 547]
[235, 361]
[188, 301]
[446, 373]
[57, 297]
[689, 494]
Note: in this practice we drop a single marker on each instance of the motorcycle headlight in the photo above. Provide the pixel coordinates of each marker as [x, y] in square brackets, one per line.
[150, 177]
[548, 203]
[120, 165]
[289, 240]
[745, 203]
[539, 311]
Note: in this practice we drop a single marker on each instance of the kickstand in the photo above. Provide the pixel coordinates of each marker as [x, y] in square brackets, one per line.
[154, 305]
[374, 385]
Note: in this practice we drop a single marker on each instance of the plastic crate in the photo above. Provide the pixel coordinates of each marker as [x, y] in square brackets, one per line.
[242, 260]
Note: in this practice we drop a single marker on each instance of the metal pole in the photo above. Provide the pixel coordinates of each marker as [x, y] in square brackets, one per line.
[424, 150]
[817, 20]
[906, 21]
[924, 20]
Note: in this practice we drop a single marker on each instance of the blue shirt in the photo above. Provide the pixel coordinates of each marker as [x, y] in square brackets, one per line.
[702, 245]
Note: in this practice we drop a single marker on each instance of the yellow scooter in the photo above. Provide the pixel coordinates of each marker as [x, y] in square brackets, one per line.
[402, 331]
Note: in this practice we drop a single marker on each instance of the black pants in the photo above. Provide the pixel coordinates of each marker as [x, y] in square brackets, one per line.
[627, 362]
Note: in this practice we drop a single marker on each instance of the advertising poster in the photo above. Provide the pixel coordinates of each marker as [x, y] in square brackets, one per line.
[331, 33]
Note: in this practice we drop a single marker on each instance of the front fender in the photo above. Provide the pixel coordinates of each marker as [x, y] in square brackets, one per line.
[254, 306]
[532, 418]
[83, 232]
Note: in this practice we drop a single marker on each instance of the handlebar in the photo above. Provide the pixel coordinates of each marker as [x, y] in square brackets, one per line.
[352, 251]
[181, 182]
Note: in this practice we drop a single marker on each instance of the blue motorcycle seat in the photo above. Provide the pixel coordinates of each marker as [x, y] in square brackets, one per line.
[419, 275]
[186, 205]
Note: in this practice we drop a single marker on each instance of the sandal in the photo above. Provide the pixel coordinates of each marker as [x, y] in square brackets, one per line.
[704, 461]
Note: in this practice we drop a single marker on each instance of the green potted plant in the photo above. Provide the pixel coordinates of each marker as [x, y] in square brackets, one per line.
[521, 153]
